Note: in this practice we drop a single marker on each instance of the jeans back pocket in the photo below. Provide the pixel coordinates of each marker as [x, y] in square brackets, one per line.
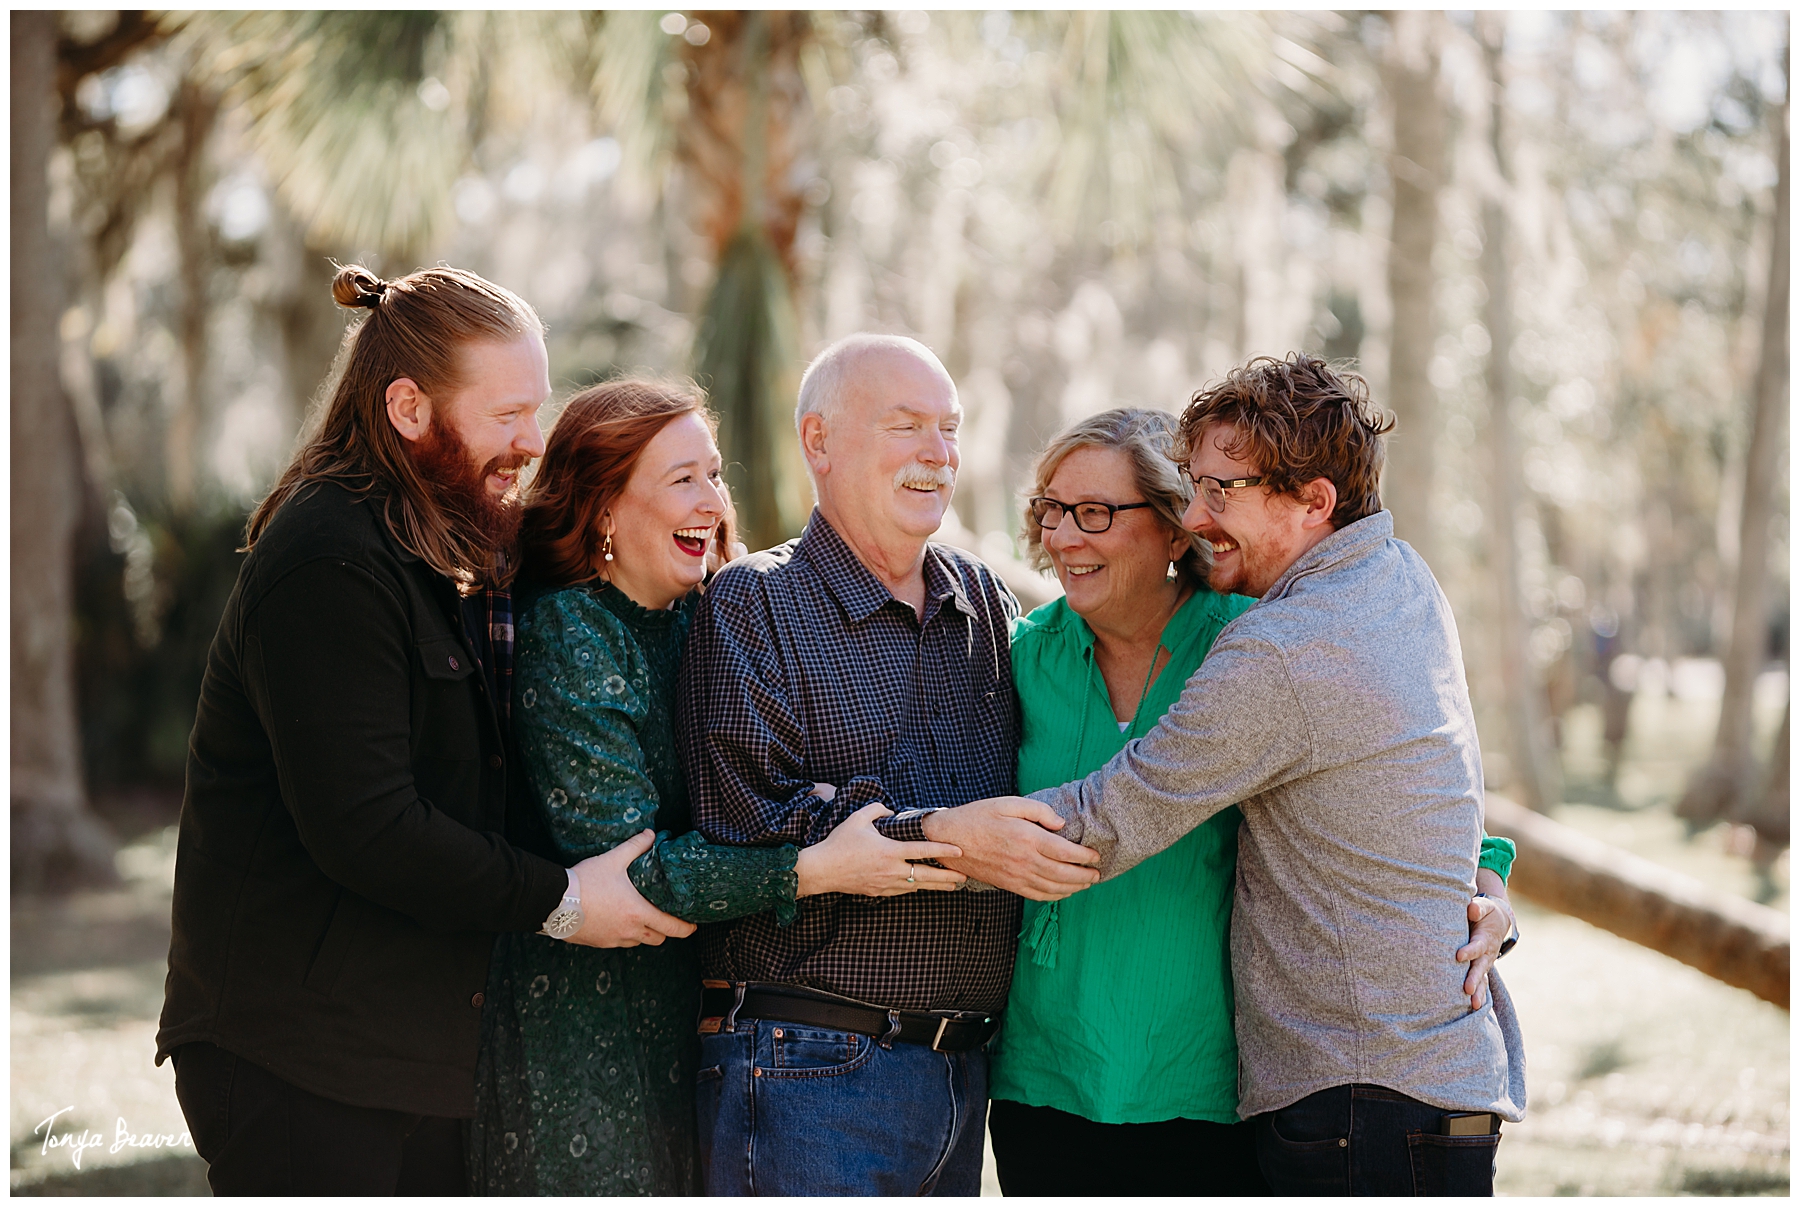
[1452, 1165]
[1301, 1167]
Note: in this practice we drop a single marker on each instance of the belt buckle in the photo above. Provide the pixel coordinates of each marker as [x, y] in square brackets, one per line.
[943, 1024]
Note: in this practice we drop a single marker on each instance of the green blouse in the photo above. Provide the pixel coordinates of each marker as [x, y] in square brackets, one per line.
[588, 1055]
[1121, 1004]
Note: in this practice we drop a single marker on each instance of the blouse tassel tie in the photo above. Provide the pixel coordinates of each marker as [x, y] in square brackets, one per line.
[1045, 935]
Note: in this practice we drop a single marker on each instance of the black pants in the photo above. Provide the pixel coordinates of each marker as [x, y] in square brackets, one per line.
[261, 1136]
[1040, 1150]
[1370, 1140]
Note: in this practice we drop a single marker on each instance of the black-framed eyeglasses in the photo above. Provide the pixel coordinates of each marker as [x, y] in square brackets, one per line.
[1212, 490]
[1090, 516]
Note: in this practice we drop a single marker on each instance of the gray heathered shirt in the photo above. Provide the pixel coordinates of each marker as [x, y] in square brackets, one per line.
[1336, 713]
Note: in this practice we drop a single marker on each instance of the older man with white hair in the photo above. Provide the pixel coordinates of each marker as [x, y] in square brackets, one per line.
[843, 1046]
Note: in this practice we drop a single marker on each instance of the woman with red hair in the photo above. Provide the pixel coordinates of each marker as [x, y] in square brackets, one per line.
[589, 1055]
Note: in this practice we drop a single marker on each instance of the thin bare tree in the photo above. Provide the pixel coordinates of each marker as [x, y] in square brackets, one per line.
[1726, 785]
[1536, 776]
[56, 841]
[1416, 167]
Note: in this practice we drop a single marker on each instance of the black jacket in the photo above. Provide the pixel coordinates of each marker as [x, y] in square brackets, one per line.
[341, 871]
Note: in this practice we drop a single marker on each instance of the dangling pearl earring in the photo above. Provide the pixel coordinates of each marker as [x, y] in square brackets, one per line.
[607, 547]
[1172, 573]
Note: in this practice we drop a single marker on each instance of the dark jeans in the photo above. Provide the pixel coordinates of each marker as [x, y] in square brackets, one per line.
[786, 1109]
[1040, 1150]
[261, 1136]
[1364, 1139]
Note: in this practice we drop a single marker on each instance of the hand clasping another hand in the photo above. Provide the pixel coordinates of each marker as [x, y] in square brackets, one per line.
[616, 913]
[857, 858]
[1007, 842]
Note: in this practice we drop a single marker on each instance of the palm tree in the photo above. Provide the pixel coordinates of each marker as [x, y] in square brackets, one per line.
[741, 142]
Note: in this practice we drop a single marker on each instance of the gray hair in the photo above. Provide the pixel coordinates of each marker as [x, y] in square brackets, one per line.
[822, 386]
[1149, 440]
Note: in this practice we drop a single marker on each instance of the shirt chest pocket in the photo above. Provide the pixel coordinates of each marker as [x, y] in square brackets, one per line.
[446, 706]
[983, 703]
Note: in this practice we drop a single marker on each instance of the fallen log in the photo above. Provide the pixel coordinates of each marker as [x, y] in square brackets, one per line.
[1727, 937]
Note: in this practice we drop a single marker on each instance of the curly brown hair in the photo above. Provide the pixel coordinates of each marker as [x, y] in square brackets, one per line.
[588, 458]
[1298, 419]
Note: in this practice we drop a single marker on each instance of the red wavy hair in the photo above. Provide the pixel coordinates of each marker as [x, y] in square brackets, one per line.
[588, 458]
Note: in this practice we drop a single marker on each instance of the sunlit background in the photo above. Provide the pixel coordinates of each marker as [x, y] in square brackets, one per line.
[1546, 240]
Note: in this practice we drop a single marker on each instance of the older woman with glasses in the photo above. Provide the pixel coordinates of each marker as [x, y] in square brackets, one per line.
[1115, 1071]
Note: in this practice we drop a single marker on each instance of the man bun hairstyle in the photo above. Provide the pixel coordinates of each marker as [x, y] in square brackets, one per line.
[416, 326]
[589, 456]
[1298, 419]
[357, 286]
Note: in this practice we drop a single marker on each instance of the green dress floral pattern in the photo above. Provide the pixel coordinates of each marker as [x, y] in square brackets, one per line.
[588, 1057]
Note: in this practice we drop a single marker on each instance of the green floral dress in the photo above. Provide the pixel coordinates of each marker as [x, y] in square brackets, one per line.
[588, 1055]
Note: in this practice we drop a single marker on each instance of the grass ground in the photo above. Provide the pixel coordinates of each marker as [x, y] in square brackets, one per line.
[1646, 1077]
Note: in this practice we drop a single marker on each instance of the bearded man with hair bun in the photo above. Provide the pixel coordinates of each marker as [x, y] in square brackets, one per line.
[342, 867]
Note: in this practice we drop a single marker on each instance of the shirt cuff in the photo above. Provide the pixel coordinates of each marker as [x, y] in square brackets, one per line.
[907, 826]
[1497, 856]
[574, 890]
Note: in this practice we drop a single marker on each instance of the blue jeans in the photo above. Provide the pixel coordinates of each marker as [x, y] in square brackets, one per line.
[1368, 1140]
[794, 1110]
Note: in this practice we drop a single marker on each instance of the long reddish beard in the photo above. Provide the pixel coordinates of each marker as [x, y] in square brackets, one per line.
[459, 488]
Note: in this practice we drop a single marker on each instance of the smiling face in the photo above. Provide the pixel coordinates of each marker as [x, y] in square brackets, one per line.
[888, 462]
[665, 518]
[1259, 534]
[1119, 573]
[494, 412]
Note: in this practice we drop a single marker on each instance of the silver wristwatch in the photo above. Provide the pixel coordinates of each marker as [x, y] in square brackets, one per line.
[566, 918]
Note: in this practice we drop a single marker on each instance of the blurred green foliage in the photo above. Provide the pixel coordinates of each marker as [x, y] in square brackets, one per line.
[149, 592]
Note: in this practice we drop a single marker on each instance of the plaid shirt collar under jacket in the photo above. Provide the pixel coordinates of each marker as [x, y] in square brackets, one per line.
[802, 668]
[487, 621]
[500, 642]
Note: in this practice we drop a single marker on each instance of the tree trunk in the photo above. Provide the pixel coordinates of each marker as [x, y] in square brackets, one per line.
[1767, 811]
[1535, 776]
[1724, 936]
[195, 110]
[742, 143]
[1722, 787]
[1416, 168]
[57, 843]
[1769, 816]
[744, 355]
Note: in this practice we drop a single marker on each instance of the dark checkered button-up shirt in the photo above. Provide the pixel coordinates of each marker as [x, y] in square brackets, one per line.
[803, 668]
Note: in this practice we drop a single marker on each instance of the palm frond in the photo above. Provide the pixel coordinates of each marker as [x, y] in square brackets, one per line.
[633, 93]
[357, 153]
[1142, 92]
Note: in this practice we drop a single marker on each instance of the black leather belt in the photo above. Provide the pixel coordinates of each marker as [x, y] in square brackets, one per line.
[952, 1031]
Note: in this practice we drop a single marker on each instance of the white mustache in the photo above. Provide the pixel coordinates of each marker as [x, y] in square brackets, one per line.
[915, 476]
